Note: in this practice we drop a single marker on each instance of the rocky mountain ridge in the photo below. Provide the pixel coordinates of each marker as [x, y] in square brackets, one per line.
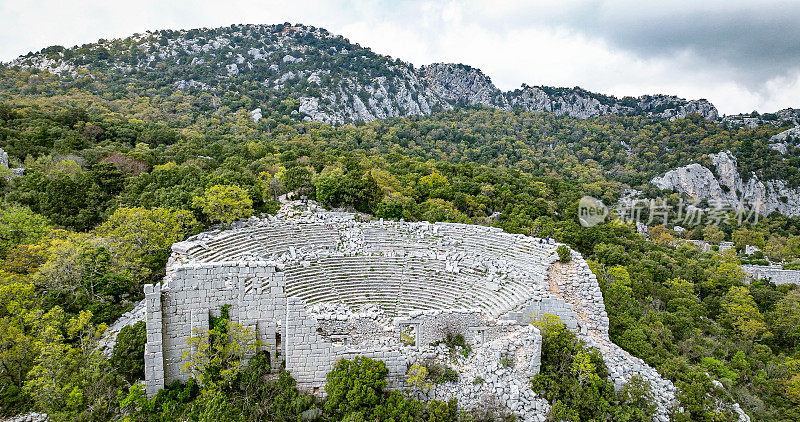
[323, 76]
[725, 188]
[785, 117]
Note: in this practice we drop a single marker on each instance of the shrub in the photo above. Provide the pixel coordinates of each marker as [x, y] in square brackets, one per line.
[128, 355]
[440, 374]
[563, 254]
[456, 343]
[353, 386]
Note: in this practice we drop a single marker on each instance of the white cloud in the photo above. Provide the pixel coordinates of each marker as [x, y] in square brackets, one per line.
[542, 43]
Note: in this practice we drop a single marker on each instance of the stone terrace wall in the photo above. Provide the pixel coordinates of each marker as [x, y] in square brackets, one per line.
[309, 356]
[773, 273]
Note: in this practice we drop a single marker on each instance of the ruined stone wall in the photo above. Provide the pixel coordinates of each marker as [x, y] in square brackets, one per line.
[578, 286]
[335, 287]
[773, 273]
[435, 325]
[180, 309]
[309, 356]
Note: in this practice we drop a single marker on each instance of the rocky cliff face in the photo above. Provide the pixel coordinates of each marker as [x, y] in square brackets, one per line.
[785, 140]
[726, 188]
[785, 117]
[348, 100]
[583, 104]
[460, 84]
[326, 77]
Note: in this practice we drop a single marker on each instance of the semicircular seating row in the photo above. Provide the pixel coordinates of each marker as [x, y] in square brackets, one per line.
[277, 239]
[410, 280]
[400, 285]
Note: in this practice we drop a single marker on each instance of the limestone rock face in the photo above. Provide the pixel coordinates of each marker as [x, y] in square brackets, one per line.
[330, 79]
[783, 140]
[583, 104]
[255, 114]
[727, 189]
[671, 107]
[785, 117]
[403, 94]
[461, 84]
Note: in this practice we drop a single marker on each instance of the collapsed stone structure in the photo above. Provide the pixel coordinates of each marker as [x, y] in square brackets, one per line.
[318, 286]
[15, 172]
[773, 273]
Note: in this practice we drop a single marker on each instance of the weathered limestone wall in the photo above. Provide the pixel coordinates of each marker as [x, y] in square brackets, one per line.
[773, 273]
[154, 348]
[496, 374]
[435, 325]
[534, 309]
[180, 309]
[309, 357]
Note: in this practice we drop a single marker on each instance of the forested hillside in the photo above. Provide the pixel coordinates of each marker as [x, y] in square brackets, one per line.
[116, 172]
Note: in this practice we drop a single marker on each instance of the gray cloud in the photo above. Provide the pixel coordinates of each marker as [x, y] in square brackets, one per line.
[750, 41]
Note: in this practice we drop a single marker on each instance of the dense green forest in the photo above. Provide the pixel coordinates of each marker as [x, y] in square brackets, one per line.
[111, 181]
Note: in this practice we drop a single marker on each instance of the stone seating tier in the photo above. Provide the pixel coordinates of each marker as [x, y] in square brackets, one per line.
[331, 257]
[400, 285]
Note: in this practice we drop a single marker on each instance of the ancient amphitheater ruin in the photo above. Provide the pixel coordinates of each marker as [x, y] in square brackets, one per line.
[317, 286]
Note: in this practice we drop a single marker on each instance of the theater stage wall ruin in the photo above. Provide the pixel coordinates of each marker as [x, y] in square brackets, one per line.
[317, 286]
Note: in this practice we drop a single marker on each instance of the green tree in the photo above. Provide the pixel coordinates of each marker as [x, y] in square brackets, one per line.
[563, 254]
[437, 209]
[417, 378]
[70, 380]
[355, 386]
[217, 355]
[785, 319]
[713, 234]
[18, 225]
[141, 238]
[574, 378]
[225, 203]
[434, 185]
[128, 354]
[18, 345]
[298, 179]
[742, 315]
[396, 206]
[744, 236]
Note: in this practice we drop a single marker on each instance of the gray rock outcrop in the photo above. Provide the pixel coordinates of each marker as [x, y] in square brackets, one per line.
[726, 189]
[461, 84]
[783, 140]
[785, 117]
[28, 417]
[109, 339]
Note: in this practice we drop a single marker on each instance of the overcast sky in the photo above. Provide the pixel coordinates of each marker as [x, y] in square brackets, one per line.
[740, 55]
